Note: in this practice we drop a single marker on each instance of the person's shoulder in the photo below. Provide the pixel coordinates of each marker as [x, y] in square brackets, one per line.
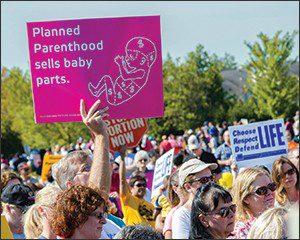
[190, 156]
[221, 146]
[127, 195]
[240, 225]
[182, 211]
[208, 155]
[144, 201]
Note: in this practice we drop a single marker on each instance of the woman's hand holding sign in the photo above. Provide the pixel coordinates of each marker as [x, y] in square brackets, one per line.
[93, 119]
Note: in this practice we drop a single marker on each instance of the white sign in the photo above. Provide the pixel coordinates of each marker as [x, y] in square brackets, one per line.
[163, 167]
[258, 143]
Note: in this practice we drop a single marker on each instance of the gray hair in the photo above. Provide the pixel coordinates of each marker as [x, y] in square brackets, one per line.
[139, 231]
[66, 168]
[141, 155]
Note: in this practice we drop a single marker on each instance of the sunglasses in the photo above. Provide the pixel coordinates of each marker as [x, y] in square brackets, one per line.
[203, 180]
[224, 211]
[116, 169]
[264, 189]
[100, 216]
[143, 160]
[141, 185]
[290, 172]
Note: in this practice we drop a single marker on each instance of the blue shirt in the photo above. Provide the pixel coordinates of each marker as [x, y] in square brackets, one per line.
[213, 131]
[116, 220]
[18, 236]
[223, 153]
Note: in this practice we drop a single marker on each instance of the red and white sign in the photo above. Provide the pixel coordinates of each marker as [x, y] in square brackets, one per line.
[127, 132]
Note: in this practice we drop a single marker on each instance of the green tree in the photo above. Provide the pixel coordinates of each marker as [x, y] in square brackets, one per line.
[275, 91]
[228, 62]
[17, 117]
[241, 109]
[193, 93]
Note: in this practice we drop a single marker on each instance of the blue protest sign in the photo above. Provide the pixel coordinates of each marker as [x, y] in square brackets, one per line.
[258, 143]
[163, 167]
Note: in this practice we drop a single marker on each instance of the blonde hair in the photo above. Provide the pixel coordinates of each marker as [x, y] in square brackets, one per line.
[66, 168]
[278, 176]
[272, 224]
[242, 187]
[33, 225]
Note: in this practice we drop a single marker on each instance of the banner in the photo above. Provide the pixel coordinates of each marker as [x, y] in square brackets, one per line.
[48, 161]
[258, 143]
[117, 60]
[163, 167]
[127, 132]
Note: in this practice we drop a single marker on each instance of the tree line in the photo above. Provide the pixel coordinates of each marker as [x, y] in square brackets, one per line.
[193, 93]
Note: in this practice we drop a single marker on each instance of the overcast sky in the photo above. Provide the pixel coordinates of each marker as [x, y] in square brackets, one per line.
[219, 26]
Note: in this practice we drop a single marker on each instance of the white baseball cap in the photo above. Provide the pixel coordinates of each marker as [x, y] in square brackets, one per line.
[192, 166]
[193, 142]
[190, 131]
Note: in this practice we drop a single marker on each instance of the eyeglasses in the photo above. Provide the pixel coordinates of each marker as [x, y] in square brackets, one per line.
[264, 189]
[143, 160]
[100, 216]
[116, 169]
[141, 185]
[290, 172]
[86, 168]
[203, 180]
[224, 211]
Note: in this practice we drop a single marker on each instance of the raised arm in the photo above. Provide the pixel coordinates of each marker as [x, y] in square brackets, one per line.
[100, 177]
[124, 187]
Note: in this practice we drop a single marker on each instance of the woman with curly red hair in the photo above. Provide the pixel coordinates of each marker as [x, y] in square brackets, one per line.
[78, 213]
[286, 177]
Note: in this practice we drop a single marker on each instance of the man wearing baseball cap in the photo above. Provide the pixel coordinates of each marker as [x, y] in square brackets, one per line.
[15, 200]
[192, 175]
[196, 151]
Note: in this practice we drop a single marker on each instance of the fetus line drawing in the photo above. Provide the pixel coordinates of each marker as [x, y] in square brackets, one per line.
[134, 68]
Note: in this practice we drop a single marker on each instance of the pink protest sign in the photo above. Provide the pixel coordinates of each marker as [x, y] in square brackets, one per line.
[116, 60]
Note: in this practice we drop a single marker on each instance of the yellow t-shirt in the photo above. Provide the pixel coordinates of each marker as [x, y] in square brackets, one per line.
[136, 210]
[5, 230]
[162, 201]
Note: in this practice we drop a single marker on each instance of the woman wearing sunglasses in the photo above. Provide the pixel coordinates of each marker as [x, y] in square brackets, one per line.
[253, 193]
[286, 177]
[212, 214]
[78, 213]
[177, 196]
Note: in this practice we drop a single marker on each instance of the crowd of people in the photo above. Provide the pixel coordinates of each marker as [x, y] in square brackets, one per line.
[93, 193]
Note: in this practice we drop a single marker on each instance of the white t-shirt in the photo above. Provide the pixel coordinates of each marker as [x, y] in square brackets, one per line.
[181, 223]
[109, 230]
